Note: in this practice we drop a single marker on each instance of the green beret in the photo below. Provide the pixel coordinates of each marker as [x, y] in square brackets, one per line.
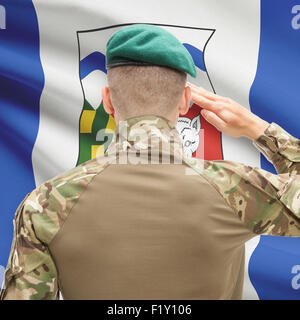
[143, 44]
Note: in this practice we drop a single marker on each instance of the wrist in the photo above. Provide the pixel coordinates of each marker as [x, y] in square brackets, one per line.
[256, 128]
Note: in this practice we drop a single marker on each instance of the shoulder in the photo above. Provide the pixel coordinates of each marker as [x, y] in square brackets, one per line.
[229, 174]
[235, 180]
[48, 206]
[222, 175]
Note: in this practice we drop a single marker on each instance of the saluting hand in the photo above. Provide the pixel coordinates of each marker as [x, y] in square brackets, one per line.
[227, 115]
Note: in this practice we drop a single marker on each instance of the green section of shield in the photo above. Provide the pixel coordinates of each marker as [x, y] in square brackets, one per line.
[87, 140]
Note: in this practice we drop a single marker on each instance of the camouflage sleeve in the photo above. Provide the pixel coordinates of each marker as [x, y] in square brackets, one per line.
[280, 148]
[264, 202]
[30, 273]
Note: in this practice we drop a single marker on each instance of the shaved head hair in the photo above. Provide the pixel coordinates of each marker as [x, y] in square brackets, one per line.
[140, 90]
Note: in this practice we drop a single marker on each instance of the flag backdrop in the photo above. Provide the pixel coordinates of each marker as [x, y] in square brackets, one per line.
[52, 68]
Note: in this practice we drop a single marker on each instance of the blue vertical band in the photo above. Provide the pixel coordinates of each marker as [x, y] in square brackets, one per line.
[275, 96]
[21, 84]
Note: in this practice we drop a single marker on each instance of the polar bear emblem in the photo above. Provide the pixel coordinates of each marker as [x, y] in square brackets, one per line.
[189, 132]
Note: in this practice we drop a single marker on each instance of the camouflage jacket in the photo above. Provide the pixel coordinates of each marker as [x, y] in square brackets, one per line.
[264, 202]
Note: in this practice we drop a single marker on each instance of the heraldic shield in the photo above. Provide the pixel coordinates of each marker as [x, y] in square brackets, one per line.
[200, 139]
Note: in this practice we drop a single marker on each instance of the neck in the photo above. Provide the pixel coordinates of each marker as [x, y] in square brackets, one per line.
[171, 118]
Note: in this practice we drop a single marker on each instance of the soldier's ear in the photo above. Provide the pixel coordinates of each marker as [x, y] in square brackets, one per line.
[185, 101]
[107, 104]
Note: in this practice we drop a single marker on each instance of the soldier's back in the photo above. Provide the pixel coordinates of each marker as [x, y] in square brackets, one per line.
[150, 231]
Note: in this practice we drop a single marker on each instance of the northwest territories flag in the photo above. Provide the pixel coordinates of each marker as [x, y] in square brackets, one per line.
[52, 68]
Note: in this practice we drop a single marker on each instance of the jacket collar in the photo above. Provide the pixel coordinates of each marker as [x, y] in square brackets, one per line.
[147, 133]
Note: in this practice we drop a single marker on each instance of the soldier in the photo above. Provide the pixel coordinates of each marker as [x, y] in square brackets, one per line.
[143, 222]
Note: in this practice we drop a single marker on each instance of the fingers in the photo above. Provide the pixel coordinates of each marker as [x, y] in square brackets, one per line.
[203, 102]
[202, 92]
[207, 94]
[213, 119]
